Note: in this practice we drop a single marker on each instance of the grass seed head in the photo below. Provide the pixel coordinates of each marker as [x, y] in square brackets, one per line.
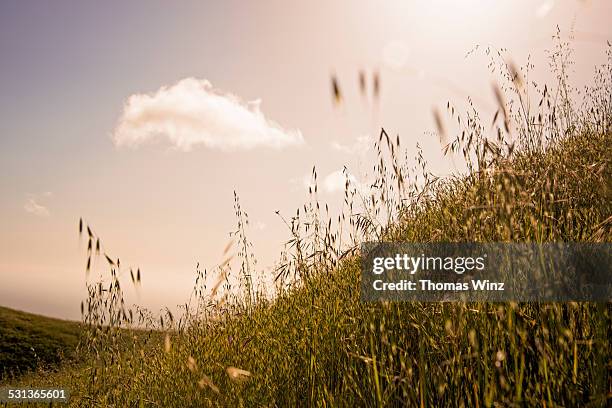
[237, 375]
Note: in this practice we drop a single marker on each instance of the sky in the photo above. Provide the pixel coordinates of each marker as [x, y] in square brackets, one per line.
[144, 117]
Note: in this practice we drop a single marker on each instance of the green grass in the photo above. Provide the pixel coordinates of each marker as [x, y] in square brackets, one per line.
[320, 345]
[29, 341]
[317, 344]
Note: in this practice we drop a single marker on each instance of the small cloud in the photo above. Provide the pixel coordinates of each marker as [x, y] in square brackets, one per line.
[335, 182]
[260, 226]
[545, 8]
[192, 112]
[32, 206]
[360, 147]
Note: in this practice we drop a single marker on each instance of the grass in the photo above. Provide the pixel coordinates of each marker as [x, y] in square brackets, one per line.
[541, 172]
[318, 344]
[29, 341]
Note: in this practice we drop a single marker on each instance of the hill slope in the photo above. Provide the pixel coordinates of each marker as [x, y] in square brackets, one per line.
[318, 344]
[28, 341]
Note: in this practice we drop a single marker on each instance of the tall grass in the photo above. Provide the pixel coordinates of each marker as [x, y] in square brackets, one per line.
[539, 171]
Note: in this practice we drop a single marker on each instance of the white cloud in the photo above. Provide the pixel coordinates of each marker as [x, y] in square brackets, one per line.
[545, 8]
[32, 206]
[360, 147]
[335, 182]
[191, 112]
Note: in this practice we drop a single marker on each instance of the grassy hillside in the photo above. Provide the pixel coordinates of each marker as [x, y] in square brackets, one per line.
[546, 177]
[28, 341]
[317, 344]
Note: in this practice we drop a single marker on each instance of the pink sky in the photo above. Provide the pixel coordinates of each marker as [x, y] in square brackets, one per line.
[144, 118]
